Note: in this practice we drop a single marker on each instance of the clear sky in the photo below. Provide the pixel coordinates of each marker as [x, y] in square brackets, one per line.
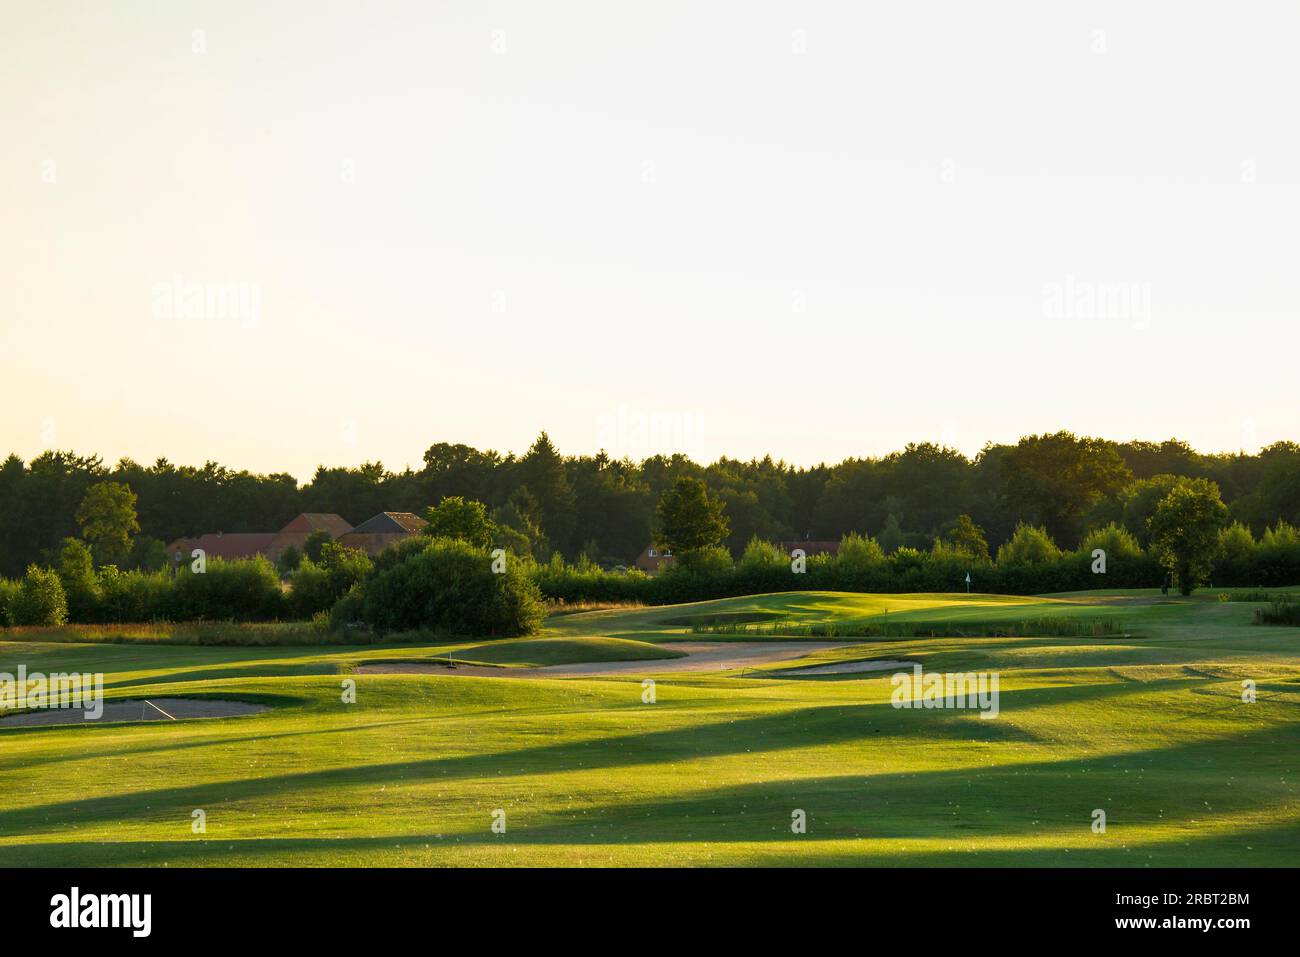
[810, 229]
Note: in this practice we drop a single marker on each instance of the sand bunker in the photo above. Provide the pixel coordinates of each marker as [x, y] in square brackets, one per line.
[839, 668]
[137, 709]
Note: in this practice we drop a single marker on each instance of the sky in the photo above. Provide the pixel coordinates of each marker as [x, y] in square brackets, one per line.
[285, 235]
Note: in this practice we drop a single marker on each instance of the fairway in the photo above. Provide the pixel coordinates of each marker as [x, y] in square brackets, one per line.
[1147, 725]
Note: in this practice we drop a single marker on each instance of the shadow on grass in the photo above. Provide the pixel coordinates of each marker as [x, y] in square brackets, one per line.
[802, 728]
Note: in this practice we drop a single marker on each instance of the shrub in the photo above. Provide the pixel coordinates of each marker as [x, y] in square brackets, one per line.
[246, 589]
[134, 595]
[701, 562]
[8, 589]
[148, 554]
[965, 536]
[1185, 529]
[859, 553]
[1236, 544]
[288, 561]
[455, 517]
[1280, 535]
[1028, 545]
[561, 582]
[1116, 541]
[1279, 613]
[318, 585]
[447, 587]
[1276, 559]
[760, 554]
[40, 599]
[80, 583]
[394, 555]
[315, 542]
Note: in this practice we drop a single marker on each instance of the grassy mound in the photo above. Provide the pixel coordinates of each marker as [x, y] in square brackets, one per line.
[594, 773]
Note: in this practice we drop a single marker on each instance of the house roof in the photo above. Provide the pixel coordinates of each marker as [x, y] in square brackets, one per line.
[309, 522]
[810, 548]
[390, 522]
[235, 544]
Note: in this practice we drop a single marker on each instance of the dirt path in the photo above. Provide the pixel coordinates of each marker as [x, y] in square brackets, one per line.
[700, 656]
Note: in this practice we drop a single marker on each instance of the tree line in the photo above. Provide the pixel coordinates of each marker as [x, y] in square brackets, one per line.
[603, 510]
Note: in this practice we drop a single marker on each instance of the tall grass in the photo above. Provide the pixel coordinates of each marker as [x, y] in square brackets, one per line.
[1284, 612]
[187, 633]
[1258, 596]
[1049, 627]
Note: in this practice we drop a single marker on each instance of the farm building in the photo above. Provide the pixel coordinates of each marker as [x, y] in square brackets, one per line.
[230, 545]
[387, 528]
[653, 559]
[810, 548]
[297, 531]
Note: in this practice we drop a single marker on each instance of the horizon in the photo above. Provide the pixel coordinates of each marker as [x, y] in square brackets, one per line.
[111, 463]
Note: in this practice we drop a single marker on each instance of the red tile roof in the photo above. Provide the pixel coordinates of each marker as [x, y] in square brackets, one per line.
[236, 544]
[309, 522]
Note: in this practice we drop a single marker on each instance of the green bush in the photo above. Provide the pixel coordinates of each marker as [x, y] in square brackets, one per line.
[1276, 561]
[8, 589]
[80, 583]
[859, 553]
[1278, 613]
[134, 595]
[448, 587]
[1115, 540]
[760, 554]
[246, 589]
[701, 562]
[317, 586]
[289, 561]
[40, 599]
[1028, 545]
[467, 521]
[148, 554]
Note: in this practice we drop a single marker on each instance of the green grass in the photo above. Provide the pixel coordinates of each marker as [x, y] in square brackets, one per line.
[534, 652]
[1279, 613]
[1148, 726]
[1056, 626]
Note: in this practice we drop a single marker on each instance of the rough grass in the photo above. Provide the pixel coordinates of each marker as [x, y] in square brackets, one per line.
[536, 652]
[560, 607]
[1154, 732]
[1279, 613]
[1259, 596]
[883, 628]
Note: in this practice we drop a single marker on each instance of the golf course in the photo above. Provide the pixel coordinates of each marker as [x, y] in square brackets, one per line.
[555, 750]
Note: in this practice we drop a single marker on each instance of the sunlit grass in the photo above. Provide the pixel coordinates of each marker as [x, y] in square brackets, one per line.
[1150, 728]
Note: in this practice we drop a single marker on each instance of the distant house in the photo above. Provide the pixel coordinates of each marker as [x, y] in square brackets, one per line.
[810, 548]
[221, 545]
[301, 528]
[179, 550]
[387, 528]
[653, 559]
[230, 545]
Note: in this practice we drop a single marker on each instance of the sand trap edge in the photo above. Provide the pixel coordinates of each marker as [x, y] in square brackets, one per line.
[134, 711]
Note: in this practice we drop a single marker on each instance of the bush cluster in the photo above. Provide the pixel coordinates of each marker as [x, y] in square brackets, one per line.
[443, 586]
[1030, 563]
[450, 586]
